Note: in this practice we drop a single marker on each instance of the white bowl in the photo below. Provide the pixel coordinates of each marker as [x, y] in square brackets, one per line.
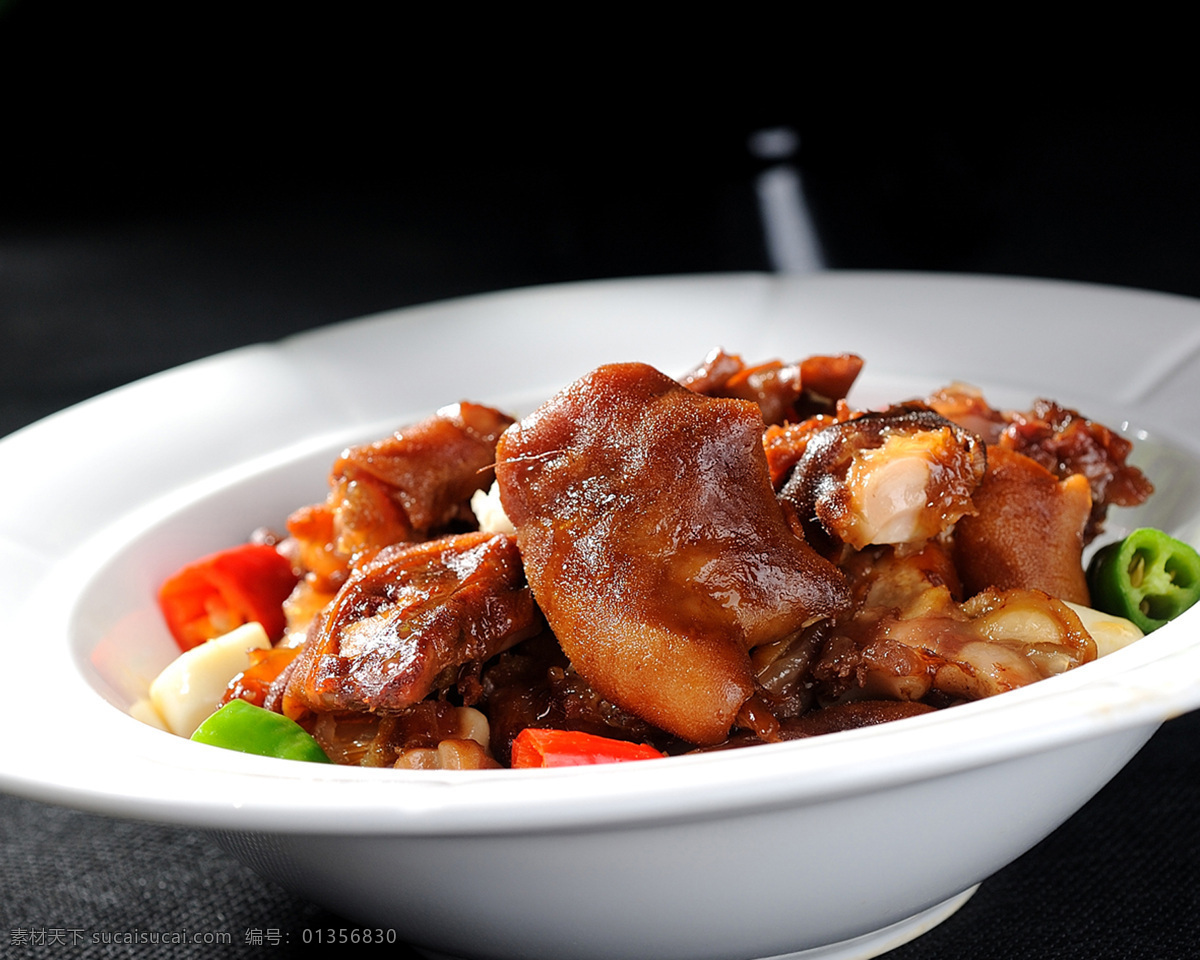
[833, 847]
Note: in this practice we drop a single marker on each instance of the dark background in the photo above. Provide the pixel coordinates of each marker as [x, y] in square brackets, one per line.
[169, 190]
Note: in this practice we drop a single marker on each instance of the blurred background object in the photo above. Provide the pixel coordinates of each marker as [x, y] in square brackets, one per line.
[173, 185]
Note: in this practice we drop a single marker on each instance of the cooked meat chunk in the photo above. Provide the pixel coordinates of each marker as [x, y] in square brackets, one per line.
[401, 489]
[785, 443]
[1062, 440]
[939, 650]
[655, 545]
[1028, 530]
[410, 621]
[899, 476]
[1068, 444]
[785, 392]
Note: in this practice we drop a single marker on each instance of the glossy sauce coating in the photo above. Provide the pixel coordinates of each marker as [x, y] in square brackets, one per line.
[898, 476]
[1028, 530]
[909, 637]
[404, 624]
[655, 545]
[396, 490]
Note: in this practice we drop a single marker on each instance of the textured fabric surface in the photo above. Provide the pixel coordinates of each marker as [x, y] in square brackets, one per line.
[75, 884]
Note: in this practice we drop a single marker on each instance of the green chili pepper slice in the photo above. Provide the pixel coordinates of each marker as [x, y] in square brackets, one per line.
[1149, 578]
[242, 726]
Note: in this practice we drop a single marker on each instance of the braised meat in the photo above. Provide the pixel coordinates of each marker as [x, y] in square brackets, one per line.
[400, 489]
[1028, 529]
[739, 556]
[943, 652]
[785, 392]
[898, 476]
[407, 624]
[1062, 440]
[655, 545]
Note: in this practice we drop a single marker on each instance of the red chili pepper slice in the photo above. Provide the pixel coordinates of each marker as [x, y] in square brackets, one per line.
[570, 748]
[215, 594]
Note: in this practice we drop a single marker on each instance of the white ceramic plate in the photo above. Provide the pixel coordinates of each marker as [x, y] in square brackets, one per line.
[99, 502]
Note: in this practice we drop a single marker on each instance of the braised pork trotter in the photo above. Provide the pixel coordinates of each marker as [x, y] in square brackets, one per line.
[407, 622]
[655, 545]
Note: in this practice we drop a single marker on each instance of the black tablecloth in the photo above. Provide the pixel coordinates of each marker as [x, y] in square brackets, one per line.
[121, 270]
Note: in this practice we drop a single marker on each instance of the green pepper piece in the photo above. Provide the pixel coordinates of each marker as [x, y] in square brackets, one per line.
[242, 726]
[1149, 578]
